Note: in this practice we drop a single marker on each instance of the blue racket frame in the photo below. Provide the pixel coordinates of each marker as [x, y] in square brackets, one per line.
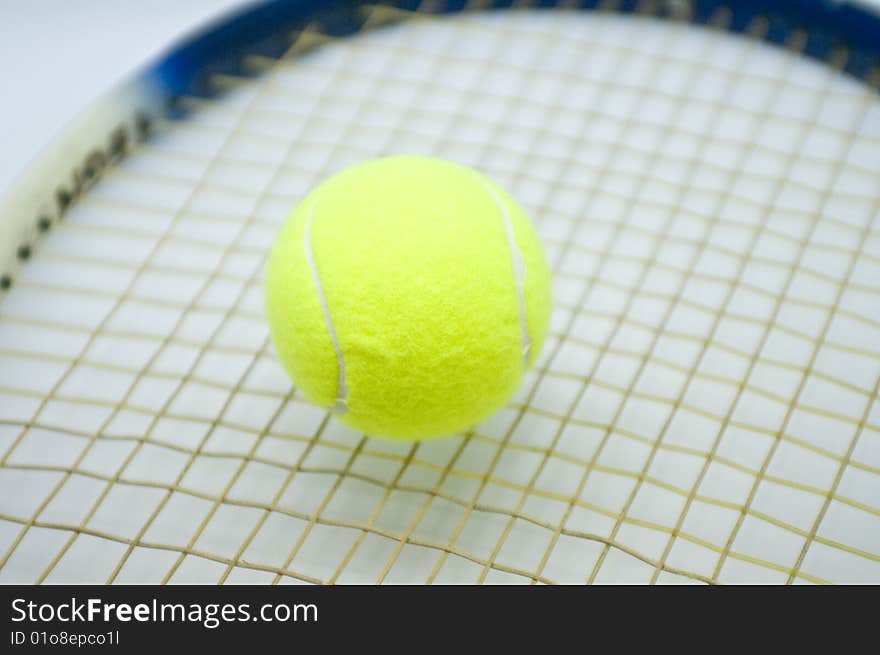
[95, 139]
[827, 25]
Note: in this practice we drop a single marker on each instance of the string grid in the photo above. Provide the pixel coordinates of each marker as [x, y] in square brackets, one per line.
[705, 408]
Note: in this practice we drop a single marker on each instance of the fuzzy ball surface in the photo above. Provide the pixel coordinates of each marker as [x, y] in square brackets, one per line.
[409, 295]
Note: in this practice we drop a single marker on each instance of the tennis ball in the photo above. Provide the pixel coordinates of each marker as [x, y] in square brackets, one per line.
[408, 295]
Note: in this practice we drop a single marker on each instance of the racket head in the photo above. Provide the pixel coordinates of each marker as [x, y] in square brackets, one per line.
[705, 409]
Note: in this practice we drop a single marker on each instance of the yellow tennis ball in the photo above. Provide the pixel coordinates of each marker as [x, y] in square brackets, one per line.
[409, 295]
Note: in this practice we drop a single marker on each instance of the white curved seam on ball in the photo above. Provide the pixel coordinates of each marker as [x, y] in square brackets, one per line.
[342, 390]
[519, 273]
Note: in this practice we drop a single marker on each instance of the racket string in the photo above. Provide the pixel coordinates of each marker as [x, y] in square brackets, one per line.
[449, 477]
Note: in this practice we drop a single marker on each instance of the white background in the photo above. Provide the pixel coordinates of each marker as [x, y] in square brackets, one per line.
[58, 55]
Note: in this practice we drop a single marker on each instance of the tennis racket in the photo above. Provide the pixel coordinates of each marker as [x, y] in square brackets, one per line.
[705, 178]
